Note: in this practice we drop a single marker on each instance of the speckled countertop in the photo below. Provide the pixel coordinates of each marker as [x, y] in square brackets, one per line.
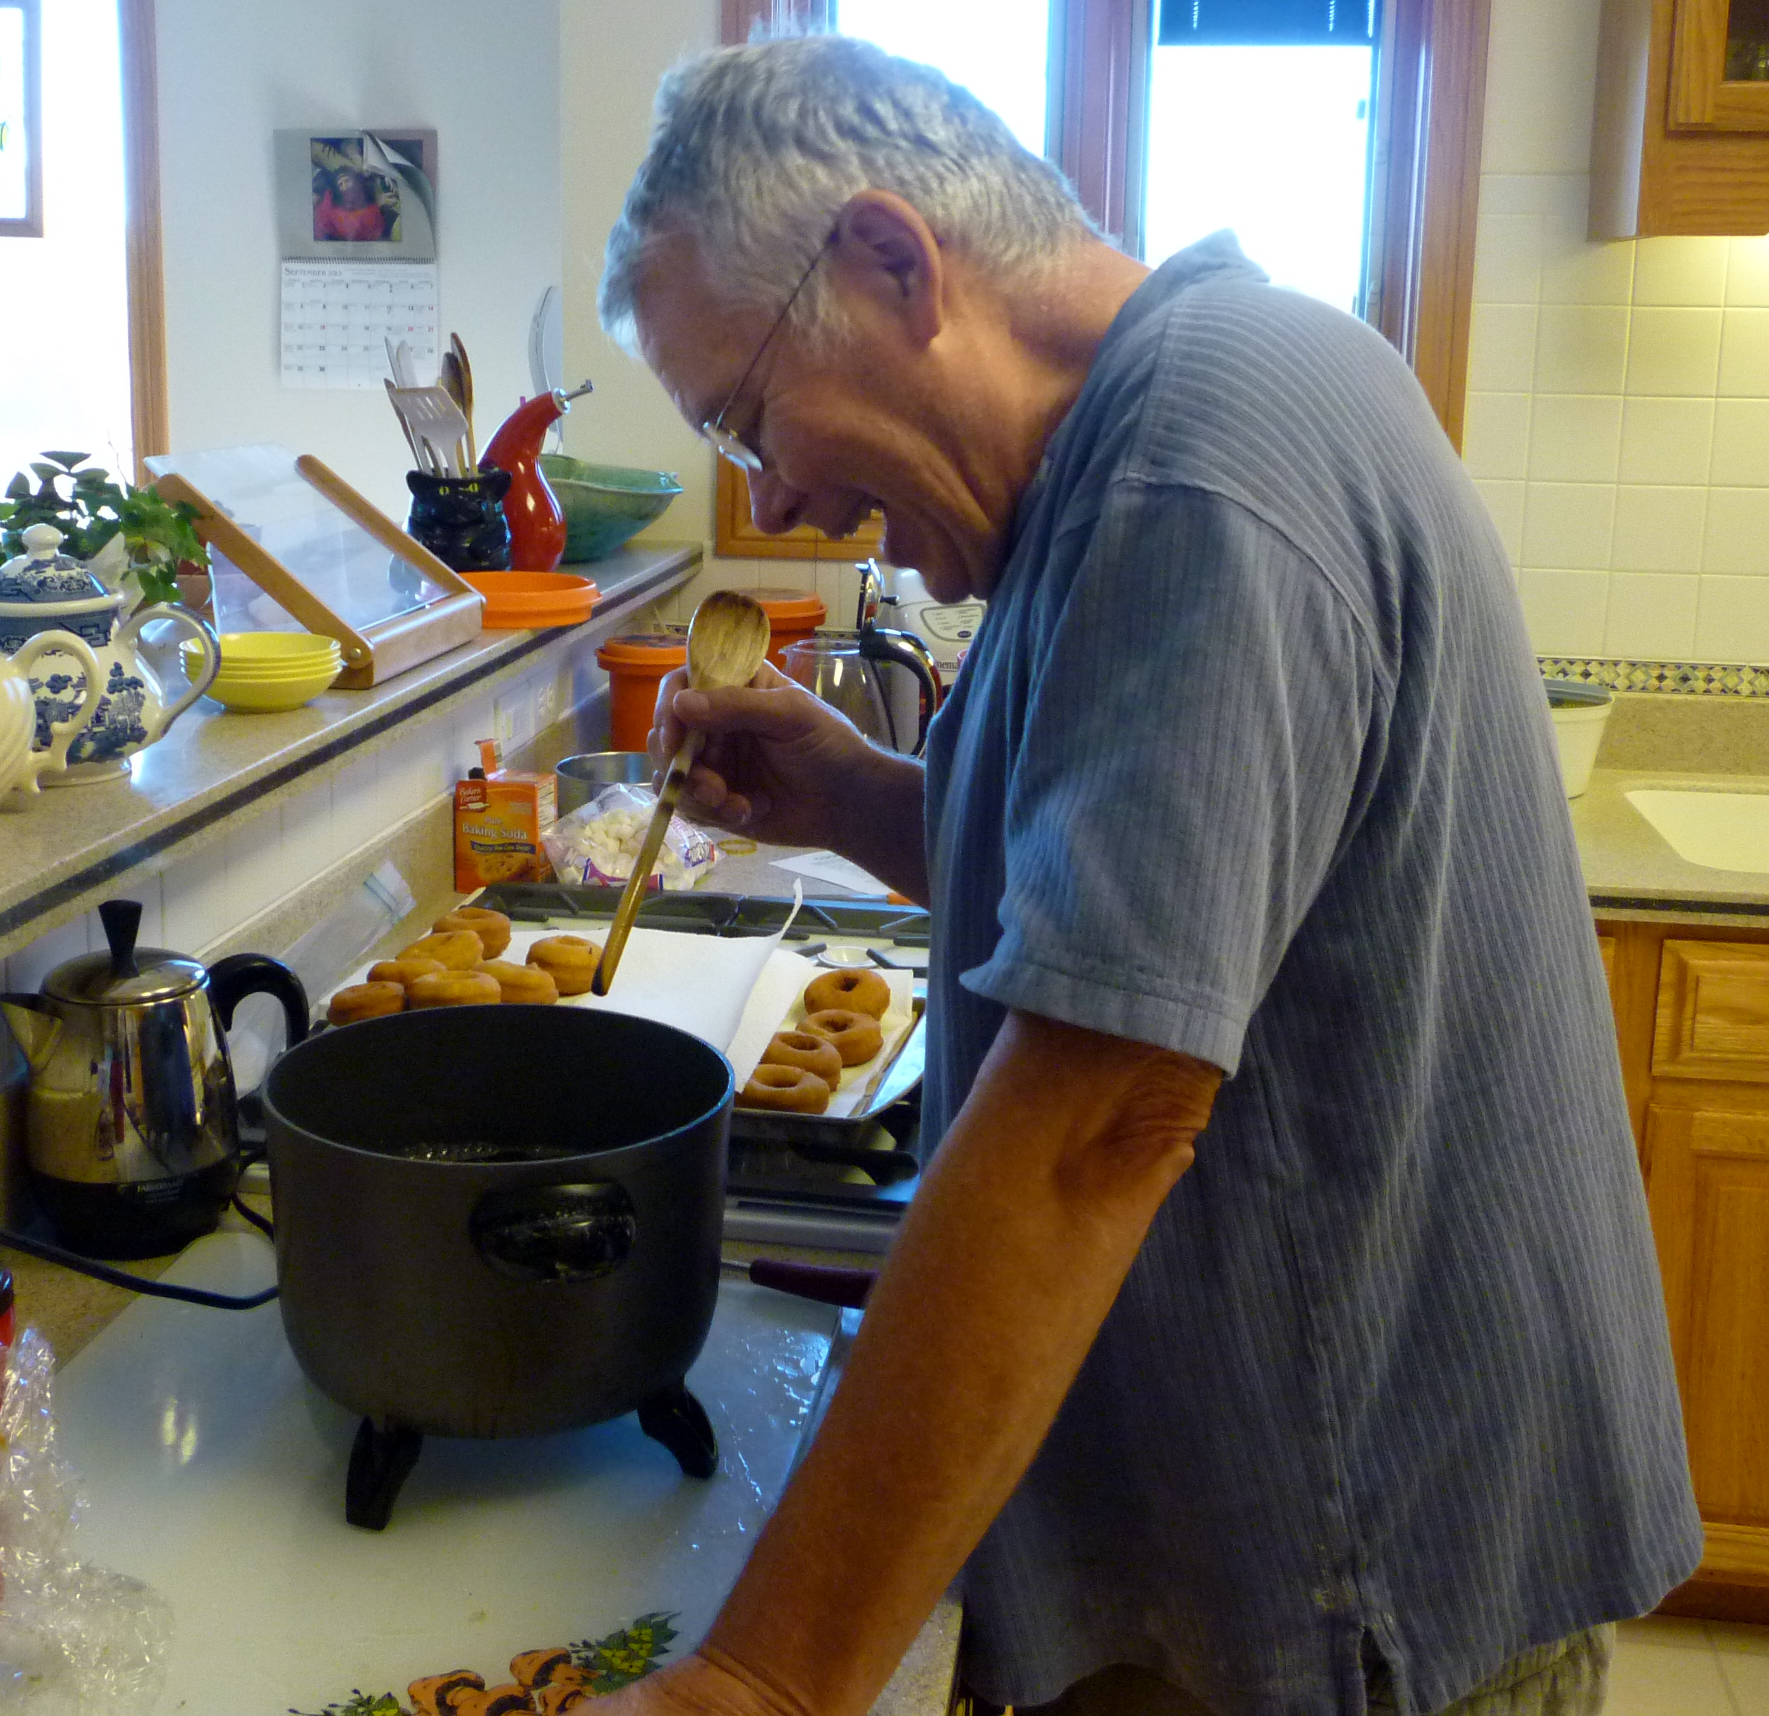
[1684, 744]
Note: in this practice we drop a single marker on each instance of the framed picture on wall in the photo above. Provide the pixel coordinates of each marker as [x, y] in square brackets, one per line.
[21, 120]
[356, 196]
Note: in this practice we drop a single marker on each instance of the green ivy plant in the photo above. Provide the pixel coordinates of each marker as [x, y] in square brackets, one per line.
[89, 509]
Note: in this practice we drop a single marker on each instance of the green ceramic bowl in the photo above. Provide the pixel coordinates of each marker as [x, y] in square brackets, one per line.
[605, 504]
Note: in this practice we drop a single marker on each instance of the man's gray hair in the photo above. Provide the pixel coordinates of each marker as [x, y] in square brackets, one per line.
[754, 150]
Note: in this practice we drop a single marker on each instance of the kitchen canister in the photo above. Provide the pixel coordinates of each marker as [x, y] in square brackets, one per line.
[793, 616]
[634, 666]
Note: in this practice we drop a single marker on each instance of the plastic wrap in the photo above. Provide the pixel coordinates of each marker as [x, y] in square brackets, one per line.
[596, 844]
[75, 1640]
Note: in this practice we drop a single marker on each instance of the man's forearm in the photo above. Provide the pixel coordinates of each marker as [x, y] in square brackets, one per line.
[1011, 1256]
[883, 823]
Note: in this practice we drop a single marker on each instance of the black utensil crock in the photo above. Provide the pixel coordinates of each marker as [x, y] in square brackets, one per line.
[461, 519]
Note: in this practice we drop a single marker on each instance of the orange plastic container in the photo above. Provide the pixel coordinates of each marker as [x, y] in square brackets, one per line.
[634, 666]
[519, 601]
[793, 615]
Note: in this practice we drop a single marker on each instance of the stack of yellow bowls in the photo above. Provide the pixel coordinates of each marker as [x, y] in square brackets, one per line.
[264, 671]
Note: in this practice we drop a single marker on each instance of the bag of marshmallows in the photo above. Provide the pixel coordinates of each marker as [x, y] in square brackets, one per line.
[596, 844]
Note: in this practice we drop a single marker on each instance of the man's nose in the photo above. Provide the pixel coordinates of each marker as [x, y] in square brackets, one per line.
[774, 505]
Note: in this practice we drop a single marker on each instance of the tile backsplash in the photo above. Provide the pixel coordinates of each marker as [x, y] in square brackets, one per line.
[1618, 427]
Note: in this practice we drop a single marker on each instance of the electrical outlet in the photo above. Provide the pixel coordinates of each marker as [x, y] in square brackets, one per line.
[503, 721]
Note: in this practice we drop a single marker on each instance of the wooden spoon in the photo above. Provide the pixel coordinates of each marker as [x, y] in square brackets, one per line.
[727, 641]
[458, 350]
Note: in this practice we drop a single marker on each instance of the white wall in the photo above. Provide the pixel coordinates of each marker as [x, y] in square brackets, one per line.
[1618, 407]
[485, 78]
[612, 54]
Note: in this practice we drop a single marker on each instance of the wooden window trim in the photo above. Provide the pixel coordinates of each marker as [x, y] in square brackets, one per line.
[1430, 102]
[1430, 105]
[148, 402]
[30, 224]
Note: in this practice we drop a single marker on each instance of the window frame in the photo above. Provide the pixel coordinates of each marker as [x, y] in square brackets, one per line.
[149, 404]
[30, 223]
[1425, 187]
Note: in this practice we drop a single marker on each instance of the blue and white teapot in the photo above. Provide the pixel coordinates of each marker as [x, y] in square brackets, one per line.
[44, 590]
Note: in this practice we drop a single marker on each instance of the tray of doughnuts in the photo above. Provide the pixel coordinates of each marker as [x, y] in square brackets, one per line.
[849, 1047]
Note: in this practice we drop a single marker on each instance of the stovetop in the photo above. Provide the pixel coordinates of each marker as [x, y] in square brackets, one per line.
[846, 1195]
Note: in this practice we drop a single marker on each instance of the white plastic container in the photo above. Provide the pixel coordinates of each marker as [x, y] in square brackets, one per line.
[1579, 711]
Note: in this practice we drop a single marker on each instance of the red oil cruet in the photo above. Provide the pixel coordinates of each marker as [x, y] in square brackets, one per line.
[536, 520]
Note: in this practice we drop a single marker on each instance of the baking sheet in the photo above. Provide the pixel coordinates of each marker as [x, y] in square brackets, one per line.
[854, 1094]
[735, 993]
[712, 986]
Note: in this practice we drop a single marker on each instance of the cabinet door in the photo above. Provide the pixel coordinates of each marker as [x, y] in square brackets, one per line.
[1713, 1012]
[1710, 1214]
[1719, 66]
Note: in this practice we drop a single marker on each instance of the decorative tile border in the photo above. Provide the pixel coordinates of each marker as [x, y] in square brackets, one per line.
[1687, 678]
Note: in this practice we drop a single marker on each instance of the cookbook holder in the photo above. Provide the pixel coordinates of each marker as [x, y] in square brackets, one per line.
[297, 548]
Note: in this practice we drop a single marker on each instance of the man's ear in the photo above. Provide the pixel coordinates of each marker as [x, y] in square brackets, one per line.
[886, 251]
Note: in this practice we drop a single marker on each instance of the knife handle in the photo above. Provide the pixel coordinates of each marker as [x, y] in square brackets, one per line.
[826, 1284]
[633, 895]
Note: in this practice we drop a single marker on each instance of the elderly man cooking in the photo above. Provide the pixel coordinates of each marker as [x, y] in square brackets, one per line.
[1276, 1331]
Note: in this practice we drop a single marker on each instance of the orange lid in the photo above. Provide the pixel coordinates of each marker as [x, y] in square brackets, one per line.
[653, 651]
[522, 601]
[789, 607]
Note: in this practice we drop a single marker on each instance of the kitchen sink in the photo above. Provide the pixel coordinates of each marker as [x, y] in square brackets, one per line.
[1719, 830]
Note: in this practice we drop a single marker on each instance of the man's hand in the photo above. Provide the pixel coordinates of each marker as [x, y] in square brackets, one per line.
[781, 765]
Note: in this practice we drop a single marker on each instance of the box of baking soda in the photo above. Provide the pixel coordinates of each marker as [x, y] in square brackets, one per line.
[500, 816]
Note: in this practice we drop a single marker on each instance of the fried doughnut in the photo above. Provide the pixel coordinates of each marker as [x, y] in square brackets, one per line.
[849, 991]
[569, 960]
[801, 1049]
[403, 971]
[790, 1089]
[520, 982]
[492, 928]
[459, 950]
[454, 989]
[853, 1036]
[364, 1001]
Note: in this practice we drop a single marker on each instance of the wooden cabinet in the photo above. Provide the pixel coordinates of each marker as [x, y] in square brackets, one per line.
[1692, 1023]
[1681, 139]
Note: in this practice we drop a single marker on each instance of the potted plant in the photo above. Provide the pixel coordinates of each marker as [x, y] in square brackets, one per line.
[132, 537]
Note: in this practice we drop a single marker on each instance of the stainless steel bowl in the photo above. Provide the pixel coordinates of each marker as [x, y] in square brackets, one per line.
[582, 777]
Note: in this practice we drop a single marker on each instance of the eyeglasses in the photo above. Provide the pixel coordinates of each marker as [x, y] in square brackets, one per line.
[728, 443]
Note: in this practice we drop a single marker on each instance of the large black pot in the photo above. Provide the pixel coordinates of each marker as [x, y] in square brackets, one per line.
[498, 1221]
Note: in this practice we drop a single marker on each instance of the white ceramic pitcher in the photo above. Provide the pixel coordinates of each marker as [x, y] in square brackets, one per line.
[20, 764]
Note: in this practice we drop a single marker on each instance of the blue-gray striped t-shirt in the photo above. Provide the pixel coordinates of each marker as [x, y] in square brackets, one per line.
[1251, 760]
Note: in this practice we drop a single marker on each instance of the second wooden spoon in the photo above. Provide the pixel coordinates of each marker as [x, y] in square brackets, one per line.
[727, 641]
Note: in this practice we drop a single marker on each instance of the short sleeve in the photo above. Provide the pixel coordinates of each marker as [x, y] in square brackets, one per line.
[1198, 708]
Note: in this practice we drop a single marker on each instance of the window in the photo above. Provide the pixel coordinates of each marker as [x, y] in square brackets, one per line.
[81, 328]
[1259, 119]
[1129, 103]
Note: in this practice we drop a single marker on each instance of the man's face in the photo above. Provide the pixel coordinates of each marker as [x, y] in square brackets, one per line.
[839, 432]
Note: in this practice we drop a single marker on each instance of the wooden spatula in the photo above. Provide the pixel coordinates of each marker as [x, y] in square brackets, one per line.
[727, 641]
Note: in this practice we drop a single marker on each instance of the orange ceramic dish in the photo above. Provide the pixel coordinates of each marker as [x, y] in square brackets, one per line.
[525, 601]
